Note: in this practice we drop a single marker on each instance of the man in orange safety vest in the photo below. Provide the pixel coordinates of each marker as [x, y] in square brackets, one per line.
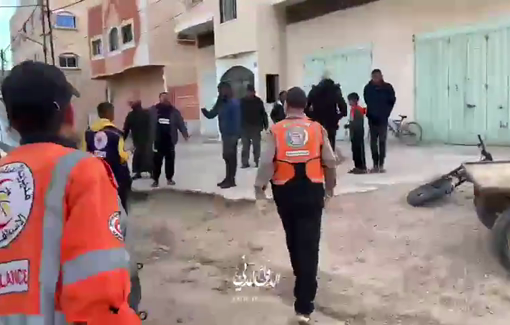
[300, 164]
[62, 253]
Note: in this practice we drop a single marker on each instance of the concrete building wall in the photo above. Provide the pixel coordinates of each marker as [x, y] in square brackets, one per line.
[155, 61]
[237, 35]
[388, 26]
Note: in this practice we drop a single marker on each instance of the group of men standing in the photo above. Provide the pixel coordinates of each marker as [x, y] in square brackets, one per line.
[154, 132]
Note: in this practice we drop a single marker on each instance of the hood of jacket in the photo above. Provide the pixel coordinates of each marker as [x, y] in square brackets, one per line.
[101, 124]
[328, 84]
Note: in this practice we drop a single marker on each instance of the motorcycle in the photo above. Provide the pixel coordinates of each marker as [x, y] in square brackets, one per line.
[445, 184]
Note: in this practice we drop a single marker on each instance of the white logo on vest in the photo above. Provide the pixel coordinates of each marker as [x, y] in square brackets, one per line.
[100, 140]
[16, 200]
[114, 226]
[296, 137]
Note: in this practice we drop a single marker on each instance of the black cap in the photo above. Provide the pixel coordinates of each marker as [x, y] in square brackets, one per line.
[35, 84]
[296, 98]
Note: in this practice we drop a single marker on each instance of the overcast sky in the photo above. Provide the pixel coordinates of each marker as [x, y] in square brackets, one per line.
[5, 15]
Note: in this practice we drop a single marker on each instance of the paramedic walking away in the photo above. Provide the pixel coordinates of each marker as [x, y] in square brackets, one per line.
[228, 111]
[104, 140]
[300, 164]
[380, 100]
[167, 120]
[253, 121]
[62, 225]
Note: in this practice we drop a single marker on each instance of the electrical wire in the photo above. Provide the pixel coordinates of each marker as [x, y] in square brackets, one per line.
[68, 5]
[22, 27]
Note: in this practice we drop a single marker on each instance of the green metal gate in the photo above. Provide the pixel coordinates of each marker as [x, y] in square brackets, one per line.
[462, 81]
[349, 67]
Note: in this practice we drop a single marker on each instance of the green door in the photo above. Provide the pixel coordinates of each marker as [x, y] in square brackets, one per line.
[314, 67]
[475, 94]
[498, 87]
[431, 88]
[351, 69]
[476, 99]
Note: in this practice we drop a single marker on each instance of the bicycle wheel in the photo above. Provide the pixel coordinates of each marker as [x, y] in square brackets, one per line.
[410, 133]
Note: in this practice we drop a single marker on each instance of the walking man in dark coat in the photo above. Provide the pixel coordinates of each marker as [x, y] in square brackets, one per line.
[327, 106]
[253, 120]
[380, 100]
[137, 124]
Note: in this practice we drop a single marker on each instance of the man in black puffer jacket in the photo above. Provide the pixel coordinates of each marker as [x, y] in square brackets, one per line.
[327, 106]
[380, 100]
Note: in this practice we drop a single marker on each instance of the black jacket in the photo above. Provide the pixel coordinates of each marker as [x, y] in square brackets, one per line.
[137, 123]
[253, 113]
[380, 100]
[278, 112]
[326, 104]
[166, 134]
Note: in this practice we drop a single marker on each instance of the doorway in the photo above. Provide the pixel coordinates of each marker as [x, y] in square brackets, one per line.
[239, 78]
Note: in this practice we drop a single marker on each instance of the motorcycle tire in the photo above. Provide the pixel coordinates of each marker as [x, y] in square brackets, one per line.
[500, 240]
[430, 192]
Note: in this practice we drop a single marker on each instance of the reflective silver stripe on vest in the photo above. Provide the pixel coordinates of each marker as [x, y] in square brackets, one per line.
[51, 239]
[93, 263]
[60, 319]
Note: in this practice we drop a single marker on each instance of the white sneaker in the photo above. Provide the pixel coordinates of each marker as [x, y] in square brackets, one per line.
[302, 319]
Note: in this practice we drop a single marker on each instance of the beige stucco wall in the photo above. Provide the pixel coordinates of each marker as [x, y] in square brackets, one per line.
[141, 83]
[271, 42]
[178, 60]
[237, 35]
[388, 25]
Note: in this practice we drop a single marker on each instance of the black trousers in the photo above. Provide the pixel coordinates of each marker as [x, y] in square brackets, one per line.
[168, 155]
[378, 135]
[332, 136]
[358, 152]
[124, 191]
[140, 159]
[302, 225]
[229, 148]
[251, 136]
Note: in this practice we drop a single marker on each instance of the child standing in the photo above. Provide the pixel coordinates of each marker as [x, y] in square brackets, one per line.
[357, 134]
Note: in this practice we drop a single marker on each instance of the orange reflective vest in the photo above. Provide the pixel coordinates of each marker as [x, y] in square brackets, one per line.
[62, 255]
[298, 141]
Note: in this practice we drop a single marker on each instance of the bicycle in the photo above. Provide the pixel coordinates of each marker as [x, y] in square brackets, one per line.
[409, 133]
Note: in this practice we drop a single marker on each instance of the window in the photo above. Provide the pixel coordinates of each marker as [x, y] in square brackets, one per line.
[127, 33]
[114, 39]
[97, 47]
[228, 10]
[68, 60]
[65, 20]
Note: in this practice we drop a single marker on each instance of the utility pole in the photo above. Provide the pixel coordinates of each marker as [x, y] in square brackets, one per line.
[50, 26]
[43, 24]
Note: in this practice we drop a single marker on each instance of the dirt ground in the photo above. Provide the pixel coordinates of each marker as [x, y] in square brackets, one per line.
[381, 262]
